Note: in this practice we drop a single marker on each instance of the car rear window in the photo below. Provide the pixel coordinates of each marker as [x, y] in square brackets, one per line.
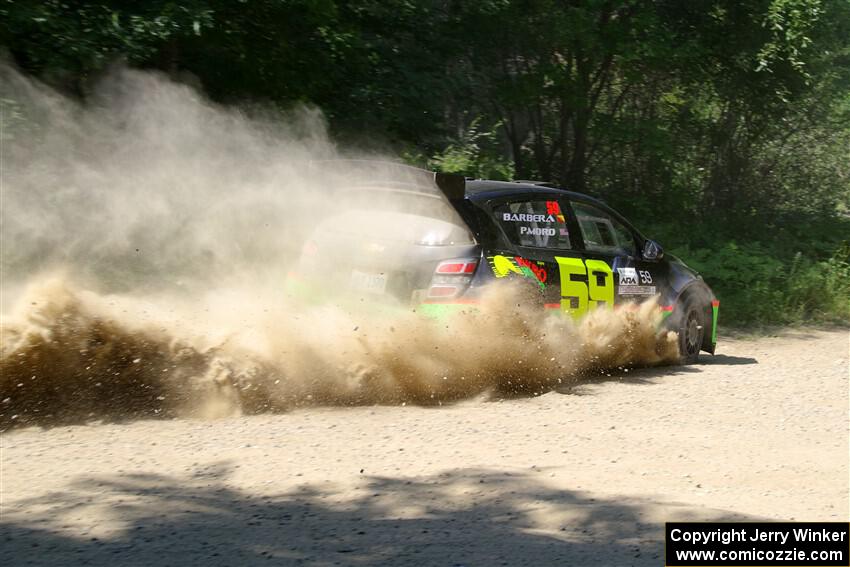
[399, 201]
[395, 214]
[534, 223]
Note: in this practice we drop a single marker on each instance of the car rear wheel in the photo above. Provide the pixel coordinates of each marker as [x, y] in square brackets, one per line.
[691, 331]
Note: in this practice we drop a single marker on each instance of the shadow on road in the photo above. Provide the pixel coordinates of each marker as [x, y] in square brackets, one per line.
[726, 360]
[646, 375]
[464, 517]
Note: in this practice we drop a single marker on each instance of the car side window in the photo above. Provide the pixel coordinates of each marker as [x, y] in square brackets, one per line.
[534, 223]
[602, 232]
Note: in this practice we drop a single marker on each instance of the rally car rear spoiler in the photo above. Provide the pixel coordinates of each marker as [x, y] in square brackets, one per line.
[451, 185]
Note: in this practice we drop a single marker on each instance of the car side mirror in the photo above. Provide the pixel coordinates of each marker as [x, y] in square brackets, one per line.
[652, 250]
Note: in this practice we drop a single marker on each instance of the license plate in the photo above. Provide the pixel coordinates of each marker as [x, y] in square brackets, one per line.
[366, 281]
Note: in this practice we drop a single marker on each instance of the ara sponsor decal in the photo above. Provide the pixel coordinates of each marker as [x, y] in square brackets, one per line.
[628, 276]
[526, 217]
[637, 290]
[633, 282]
[537, 231]
[503, 266]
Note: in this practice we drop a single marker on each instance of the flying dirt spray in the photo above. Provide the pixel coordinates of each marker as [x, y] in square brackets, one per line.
[146, 236]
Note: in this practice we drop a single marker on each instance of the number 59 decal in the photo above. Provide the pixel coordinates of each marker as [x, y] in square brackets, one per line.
[577, 296]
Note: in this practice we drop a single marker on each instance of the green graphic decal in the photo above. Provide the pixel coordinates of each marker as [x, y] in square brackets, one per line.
[503, 266]
[442, 311]
[715, 308]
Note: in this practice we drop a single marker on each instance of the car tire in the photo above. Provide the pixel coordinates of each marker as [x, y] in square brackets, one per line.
[691, 331]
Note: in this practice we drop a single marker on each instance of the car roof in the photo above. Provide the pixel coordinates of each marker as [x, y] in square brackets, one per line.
[453, 186]
[484, 189]
[405, 178]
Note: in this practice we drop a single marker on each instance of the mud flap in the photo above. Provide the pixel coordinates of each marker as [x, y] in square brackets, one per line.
[712, 342]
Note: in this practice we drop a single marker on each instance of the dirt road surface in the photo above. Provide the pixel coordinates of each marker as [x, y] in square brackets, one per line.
[583, 476]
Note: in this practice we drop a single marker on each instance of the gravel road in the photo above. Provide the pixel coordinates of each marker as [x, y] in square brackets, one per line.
[582, 476]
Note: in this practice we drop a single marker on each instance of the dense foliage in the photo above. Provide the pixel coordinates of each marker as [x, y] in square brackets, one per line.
[721, 126]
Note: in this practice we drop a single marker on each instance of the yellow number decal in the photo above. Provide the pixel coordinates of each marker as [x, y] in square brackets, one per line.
[572, 290]
[599, 288]
[600, 293]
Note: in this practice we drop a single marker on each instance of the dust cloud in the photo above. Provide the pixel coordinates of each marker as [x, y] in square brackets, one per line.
[70, 355]
[146, 240]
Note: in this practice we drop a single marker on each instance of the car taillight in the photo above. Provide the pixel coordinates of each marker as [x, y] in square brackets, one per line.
[457, 267]
[452, 277]
[442, 291]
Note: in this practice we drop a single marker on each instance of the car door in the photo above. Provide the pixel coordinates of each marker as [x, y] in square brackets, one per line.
[535, 234]
[607, 238]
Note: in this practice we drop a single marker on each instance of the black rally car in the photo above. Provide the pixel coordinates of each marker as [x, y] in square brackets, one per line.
[438, 240]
